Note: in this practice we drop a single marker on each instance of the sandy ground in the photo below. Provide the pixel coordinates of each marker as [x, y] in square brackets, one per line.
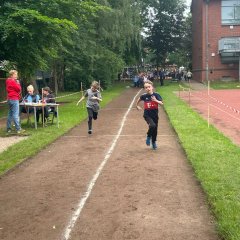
[6, 142]
[126, 190]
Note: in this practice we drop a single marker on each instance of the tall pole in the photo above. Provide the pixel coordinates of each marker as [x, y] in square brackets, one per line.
[207, 59]
[239, 69]
[82, 93]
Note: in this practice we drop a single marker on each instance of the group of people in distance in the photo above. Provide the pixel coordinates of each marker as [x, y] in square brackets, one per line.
[150, 98]
[160, 75]
[14, 91]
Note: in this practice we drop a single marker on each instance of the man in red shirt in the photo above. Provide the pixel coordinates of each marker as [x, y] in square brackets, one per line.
[13, 88]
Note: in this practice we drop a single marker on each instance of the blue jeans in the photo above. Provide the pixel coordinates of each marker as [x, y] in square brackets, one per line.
[13, 114]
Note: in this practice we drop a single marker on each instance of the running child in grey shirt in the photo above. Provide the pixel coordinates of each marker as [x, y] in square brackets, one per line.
[94, 97]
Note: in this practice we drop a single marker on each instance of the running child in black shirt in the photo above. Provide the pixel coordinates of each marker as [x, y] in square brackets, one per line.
[151, 101]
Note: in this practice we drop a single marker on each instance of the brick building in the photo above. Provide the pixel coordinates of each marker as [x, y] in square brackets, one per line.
[216, 22]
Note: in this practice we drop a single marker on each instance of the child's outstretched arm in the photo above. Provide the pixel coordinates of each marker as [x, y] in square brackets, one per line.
[138, 101]
[80, 100]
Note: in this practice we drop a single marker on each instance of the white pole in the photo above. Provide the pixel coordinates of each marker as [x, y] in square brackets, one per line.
[82, 93]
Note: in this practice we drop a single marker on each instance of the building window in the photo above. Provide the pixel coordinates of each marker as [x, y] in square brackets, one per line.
[231, 12]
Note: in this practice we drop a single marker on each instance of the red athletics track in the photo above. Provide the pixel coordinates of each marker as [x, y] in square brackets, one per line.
[224, 109]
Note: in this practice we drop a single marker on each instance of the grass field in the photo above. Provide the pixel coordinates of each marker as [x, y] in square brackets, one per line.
[70, 116]
[225, 85]
[214, 158]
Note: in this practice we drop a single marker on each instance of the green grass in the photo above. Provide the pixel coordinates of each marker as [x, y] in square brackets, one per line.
[225, 85]
[214, 158]
[70, 116]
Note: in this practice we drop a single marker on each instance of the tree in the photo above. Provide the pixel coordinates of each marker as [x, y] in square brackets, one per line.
[164, 27]
[25, 37]
[76, 41]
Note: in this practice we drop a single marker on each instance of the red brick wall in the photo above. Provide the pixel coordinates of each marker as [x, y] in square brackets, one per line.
[215, 33]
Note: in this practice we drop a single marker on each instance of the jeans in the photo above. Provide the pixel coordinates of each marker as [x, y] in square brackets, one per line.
[13, 114]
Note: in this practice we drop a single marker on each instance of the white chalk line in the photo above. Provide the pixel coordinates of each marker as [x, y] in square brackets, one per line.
[101, 136]
[86, 195]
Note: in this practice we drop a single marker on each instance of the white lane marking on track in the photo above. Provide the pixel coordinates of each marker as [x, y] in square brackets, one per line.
[137, 135]
[86, 195]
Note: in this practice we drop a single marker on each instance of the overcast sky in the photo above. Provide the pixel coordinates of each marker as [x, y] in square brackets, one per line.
[188, 2]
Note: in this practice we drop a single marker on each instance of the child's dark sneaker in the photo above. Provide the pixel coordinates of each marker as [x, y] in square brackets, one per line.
[148, 141]
[154, 145]
[90, 131]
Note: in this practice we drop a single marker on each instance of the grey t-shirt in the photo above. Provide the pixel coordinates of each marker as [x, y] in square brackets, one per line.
[92, 103]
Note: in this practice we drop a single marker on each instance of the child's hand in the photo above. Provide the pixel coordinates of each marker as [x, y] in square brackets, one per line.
[139, 108]
[154, 98]
[94, 98]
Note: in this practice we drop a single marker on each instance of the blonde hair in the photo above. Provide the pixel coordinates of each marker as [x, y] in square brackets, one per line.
[95, 84]
[30, 87]
[12, 72]
[149, 82]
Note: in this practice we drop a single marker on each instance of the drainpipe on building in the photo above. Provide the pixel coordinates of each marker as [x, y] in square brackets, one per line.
[207, 44]
[207, 58]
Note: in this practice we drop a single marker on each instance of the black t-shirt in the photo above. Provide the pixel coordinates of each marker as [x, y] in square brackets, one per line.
[150, 107]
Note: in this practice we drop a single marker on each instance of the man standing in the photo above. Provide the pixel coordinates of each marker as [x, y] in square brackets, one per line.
[13, 88]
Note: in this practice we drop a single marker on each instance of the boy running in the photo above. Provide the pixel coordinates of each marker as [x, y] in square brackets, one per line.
[93, 98]
[151, 101]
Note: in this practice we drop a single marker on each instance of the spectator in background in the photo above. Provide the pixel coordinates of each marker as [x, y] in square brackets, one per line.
[30, 97]
[13, 89]
[162, 77]
[135, 81]
[48, 97]
[189, 75]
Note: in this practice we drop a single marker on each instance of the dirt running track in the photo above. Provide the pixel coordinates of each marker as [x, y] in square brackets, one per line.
[139, 194]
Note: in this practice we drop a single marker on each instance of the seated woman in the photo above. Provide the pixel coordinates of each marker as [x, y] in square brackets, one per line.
[30, 97]
[48, 97]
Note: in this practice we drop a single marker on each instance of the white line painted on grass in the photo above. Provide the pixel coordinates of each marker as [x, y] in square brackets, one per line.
[86, 195]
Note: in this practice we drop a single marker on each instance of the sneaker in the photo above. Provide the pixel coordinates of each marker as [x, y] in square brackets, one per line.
[9, 130]
[154, 145]
[148, 141]
[90, 131]
[21, 131]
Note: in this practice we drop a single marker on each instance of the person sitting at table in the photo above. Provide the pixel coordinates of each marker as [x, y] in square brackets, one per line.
[48, 97]
[30, 97]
